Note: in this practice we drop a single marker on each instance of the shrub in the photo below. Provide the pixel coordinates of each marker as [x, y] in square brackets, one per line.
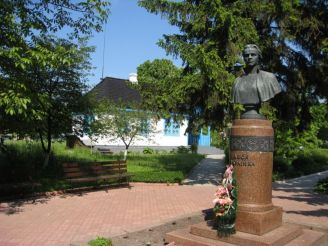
[311, 161]
[227, 155]
[320, 156]
[182, 150]
[100, 241]
[322, 186]
[280, 164]
[148, 151]
[305, 164]
[194, 148]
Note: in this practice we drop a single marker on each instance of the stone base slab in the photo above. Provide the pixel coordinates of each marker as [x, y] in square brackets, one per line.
[204, 235]
[259, 223]
[182, 237]
[280, 236]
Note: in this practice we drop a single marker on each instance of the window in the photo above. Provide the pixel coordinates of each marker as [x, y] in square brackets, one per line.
[171, 128]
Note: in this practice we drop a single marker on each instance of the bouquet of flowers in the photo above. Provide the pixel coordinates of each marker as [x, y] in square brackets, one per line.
[225, 204]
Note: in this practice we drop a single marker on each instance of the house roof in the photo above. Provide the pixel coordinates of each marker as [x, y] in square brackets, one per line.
[115, 89]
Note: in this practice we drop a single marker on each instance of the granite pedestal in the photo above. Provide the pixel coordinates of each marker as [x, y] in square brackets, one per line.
[258, 221]
[251, 153]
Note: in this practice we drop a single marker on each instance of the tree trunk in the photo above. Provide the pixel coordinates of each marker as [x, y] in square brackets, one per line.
[46, 160]
[46, 149]
[3, 148]
[125, 155]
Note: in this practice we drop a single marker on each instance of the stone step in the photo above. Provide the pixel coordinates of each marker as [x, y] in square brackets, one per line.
[279, 236]
[203, 235]
[310, 237]
[183, 237]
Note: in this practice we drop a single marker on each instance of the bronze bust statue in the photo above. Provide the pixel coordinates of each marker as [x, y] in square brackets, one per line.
[254, 86]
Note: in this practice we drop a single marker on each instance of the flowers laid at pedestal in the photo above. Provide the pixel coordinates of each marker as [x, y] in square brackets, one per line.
[225, 204]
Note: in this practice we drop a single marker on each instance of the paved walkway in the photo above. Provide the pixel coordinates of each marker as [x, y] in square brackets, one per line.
[208, 172]
[62, 220]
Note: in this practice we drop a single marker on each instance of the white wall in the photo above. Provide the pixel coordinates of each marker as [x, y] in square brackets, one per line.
[157, 139]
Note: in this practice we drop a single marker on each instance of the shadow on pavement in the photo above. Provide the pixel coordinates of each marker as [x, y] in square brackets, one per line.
[309, 198]
[317, 213]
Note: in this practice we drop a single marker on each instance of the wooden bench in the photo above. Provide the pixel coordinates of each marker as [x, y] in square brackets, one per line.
[96, 171]
[105, 151]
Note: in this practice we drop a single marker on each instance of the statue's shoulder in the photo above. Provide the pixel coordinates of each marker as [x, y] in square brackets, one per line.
[267, 75]
[236, 83]
[239, 78]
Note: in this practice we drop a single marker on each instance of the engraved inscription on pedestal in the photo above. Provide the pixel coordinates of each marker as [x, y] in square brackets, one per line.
[241, 160]
[252, 143]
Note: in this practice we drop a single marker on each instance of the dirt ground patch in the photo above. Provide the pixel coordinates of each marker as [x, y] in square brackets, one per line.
[155, 236]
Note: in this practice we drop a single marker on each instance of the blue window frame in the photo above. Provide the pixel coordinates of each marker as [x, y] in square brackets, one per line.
[171, 128]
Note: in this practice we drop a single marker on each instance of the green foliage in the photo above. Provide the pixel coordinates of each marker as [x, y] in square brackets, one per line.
[280, 164]
[182, 150]
[100, 241]
[148, 151]
[306, 162]
[219, 138]
[322, 186]
[323, 136]
[155, 84]
[23, 163]
[194, 148]
[227, 155]
[164, 167]
[289, 142]
[42, 77]
[117, 120]
[268, 111]
[24, 160]
[311, 161]
[208, 45]
[23, 27]
[291, 34]
[283, 169]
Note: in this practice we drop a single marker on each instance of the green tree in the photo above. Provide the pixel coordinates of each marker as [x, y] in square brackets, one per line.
[41, 78]
[157, 82]
[56, 82]
[290, 145]
[291, 34]
[23, 22]
[210, 40]
[119, 121]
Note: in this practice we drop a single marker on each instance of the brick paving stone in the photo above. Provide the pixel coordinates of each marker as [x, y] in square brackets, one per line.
[64, 219]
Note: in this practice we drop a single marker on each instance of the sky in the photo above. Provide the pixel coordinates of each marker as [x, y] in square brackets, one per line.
[131, 35]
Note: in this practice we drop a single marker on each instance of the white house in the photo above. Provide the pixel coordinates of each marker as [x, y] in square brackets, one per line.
[166, 133]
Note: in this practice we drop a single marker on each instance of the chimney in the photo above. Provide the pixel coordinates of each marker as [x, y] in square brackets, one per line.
[133, 78]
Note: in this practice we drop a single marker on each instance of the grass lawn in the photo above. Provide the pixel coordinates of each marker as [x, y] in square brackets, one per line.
[25, 164]
[161, 167]
[157, 167]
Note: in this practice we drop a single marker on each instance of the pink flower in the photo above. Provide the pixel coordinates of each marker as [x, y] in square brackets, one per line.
[223, 201]
[229, 187]
[221, 191]
[216, 200]
[228, 172]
